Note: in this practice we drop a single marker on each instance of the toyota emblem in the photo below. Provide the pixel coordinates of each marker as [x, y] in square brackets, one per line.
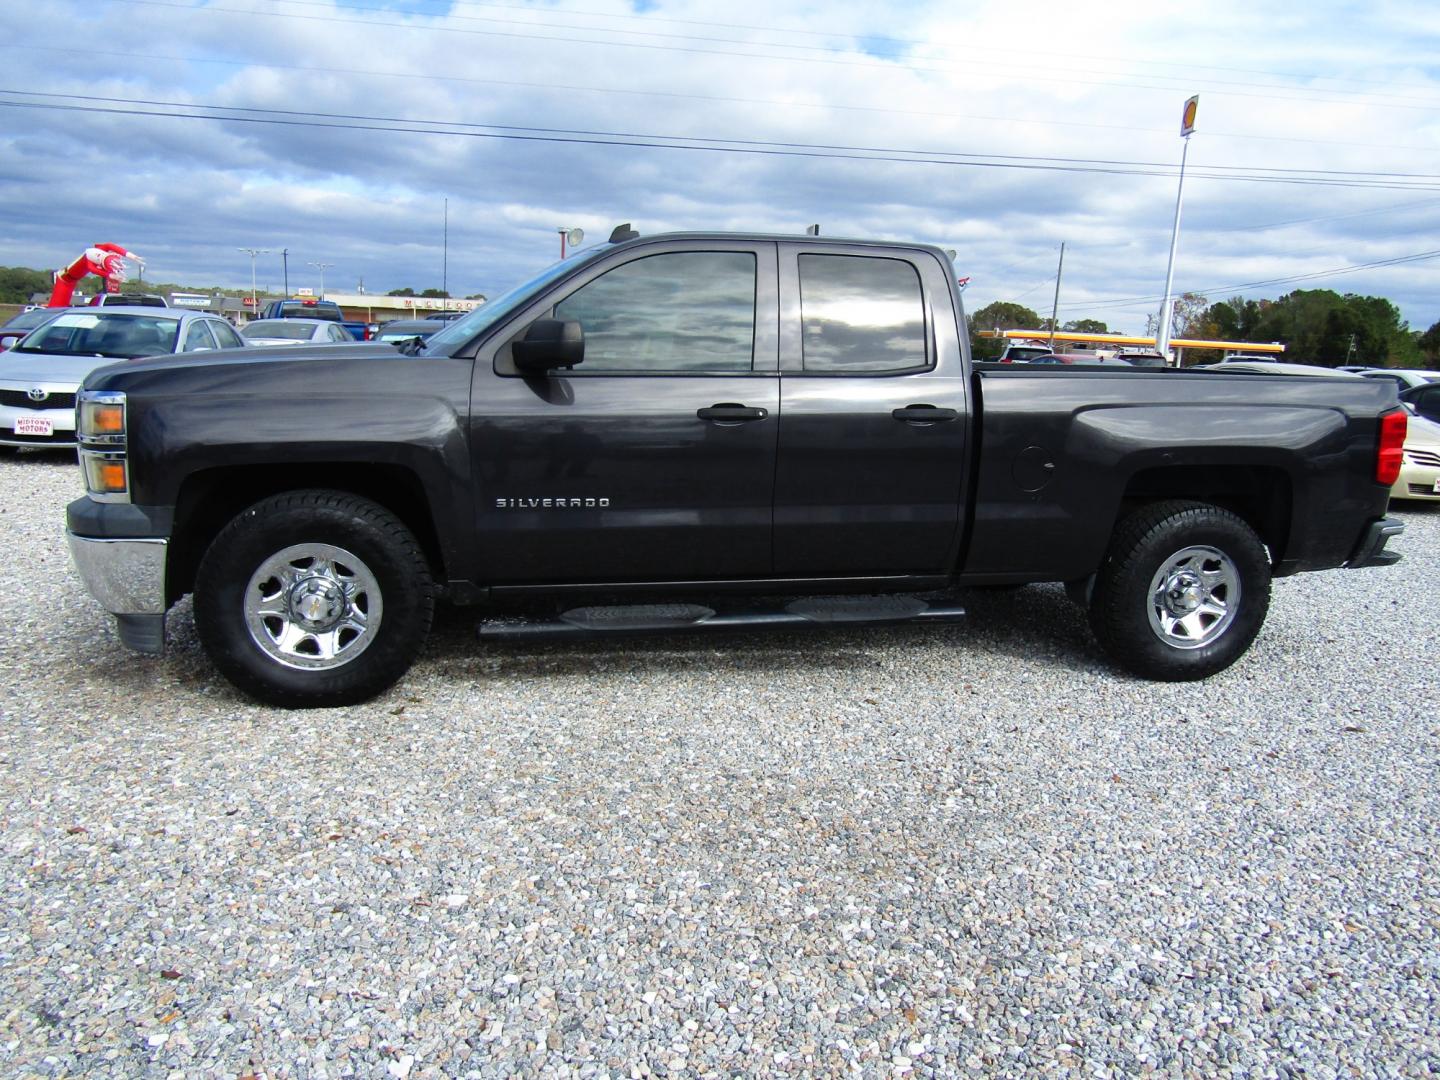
[36, 394]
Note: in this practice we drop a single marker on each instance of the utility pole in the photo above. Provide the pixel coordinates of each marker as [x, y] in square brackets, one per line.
[445, 252]
[1055, 307]
[285, 261]
[322, 267]
[1187, 128]
[254, 300]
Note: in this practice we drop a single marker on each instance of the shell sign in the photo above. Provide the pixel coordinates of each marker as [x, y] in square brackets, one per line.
[1187, 118]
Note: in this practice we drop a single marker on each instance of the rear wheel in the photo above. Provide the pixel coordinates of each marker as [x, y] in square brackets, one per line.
[1182, 593]
[313, 598]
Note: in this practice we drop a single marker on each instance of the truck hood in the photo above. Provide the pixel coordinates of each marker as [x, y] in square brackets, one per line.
[257, 355]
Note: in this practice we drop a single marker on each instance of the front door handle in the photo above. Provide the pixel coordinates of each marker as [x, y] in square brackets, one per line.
[924, 414]
[731, 411]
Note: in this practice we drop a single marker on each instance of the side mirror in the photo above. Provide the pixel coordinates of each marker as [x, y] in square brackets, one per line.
[548, 344]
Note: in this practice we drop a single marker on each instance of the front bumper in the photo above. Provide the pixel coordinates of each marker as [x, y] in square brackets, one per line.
[126, 574]
[1371, 549]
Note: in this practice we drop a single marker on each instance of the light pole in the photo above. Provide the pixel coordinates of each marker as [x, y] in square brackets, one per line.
[322, 267]
[575, 236]
[285, 262]
[1187, 128]
[254, 300]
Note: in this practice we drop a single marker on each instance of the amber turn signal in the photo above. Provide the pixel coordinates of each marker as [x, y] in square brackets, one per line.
[107, 419]
[104, 476]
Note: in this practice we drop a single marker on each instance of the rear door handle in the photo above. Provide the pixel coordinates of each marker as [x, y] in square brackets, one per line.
[731, 411]
[924, 414]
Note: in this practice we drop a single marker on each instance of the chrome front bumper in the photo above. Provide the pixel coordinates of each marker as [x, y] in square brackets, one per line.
[128, 578]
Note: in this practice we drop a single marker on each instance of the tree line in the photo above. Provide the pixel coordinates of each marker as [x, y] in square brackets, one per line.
[1316, 326]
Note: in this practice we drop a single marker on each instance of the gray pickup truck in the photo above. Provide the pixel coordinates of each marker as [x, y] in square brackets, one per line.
[700, 431]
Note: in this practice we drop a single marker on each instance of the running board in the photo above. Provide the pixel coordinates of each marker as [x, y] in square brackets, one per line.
[673, 618]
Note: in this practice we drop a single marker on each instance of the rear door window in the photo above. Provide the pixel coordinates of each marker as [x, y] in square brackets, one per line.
[861, 314]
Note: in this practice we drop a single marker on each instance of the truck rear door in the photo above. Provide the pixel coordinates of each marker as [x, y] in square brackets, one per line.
[871, 471]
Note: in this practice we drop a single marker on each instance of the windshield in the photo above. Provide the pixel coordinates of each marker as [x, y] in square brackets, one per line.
[301, 310]
[278, 328]
[100, 333]
[28, 320]
[482, 318]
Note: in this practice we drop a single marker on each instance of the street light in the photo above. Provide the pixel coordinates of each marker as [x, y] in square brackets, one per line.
[254, 300]
[322, 267]
[575, 236]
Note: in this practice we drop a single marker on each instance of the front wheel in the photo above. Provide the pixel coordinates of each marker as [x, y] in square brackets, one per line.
[313, 598]
[1182, 593]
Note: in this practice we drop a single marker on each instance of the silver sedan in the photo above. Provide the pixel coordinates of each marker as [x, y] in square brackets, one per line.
[39, 377]
[295, 332]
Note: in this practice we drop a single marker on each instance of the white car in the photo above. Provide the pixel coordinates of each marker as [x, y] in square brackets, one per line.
[1420, 468]
[295, 332]
[1272, 367]
[40, 376]
[1404, 378]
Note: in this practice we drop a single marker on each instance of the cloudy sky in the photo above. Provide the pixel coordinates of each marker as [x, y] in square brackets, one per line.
[999, 129]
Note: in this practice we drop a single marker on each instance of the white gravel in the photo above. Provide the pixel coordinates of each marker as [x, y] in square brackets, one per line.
[931, 851]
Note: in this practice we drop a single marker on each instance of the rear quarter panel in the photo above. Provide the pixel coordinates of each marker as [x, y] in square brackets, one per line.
[1100, 430]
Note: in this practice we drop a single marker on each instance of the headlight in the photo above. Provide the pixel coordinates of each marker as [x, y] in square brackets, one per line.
[101, 415]
[100, 429]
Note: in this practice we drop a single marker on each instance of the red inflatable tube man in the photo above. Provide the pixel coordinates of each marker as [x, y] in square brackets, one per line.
[103, 260]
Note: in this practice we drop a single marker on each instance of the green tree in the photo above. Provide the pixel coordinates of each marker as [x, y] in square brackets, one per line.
[17, 283]
[1187, 314]
[1429, 345]
[1001, 315]
[1319, 326]
[1232, 320]
[407, 291]
[439, 294]
[1086, 326]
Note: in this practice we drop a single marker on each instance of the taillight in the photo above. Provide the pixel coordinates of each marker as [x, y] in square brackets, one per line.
[1390, 454]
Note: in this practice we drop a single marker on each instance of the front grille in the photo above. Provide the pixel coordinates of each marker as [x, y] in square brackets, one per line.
[19, 399]
[1423, 489]
[1423, 457]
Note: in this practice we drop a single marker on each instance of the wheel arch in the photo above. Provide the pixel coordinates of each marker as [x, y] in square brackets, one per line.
[210, 498]
[1262, 496]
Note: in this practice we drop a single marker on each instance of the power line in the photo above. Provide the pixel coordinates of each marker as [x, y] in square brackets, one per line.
[356, 122]
[827, 106]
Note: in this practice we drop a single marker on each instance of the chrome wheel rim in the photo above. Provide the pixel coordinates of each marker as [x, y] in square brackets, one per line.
[1194, 597]
[313, 606]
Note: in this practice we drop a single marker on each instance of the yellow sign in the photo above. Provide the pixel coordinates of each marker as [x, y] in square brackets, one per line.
[1187, 118]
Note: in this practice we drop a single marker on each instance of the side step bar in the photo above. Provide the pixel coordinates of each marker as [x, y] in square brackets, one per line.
[672, 618]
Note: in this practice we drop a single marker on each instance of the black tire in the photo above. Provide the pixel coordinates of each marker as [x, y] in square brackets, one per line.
[364, 584]
[1182, 592]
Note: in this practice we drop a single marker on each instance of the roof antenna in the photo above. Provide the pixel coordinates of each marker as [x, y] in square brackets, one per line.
[623, 233]
[813, 230]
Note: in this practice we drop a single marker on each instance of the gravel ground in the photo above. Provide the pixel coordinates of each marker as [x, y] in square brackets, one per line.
[935, 851]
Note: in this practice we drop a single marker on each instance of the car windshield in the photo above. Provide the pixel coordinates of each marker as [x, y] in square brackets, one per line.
[482, 318]
[278, 328]
[302, 310]
[102, 333]
[28, 320]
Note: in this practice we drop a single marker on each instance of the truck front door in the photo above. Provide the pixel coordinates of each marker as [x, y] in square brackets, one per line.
[871, 473]
[653, 459]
